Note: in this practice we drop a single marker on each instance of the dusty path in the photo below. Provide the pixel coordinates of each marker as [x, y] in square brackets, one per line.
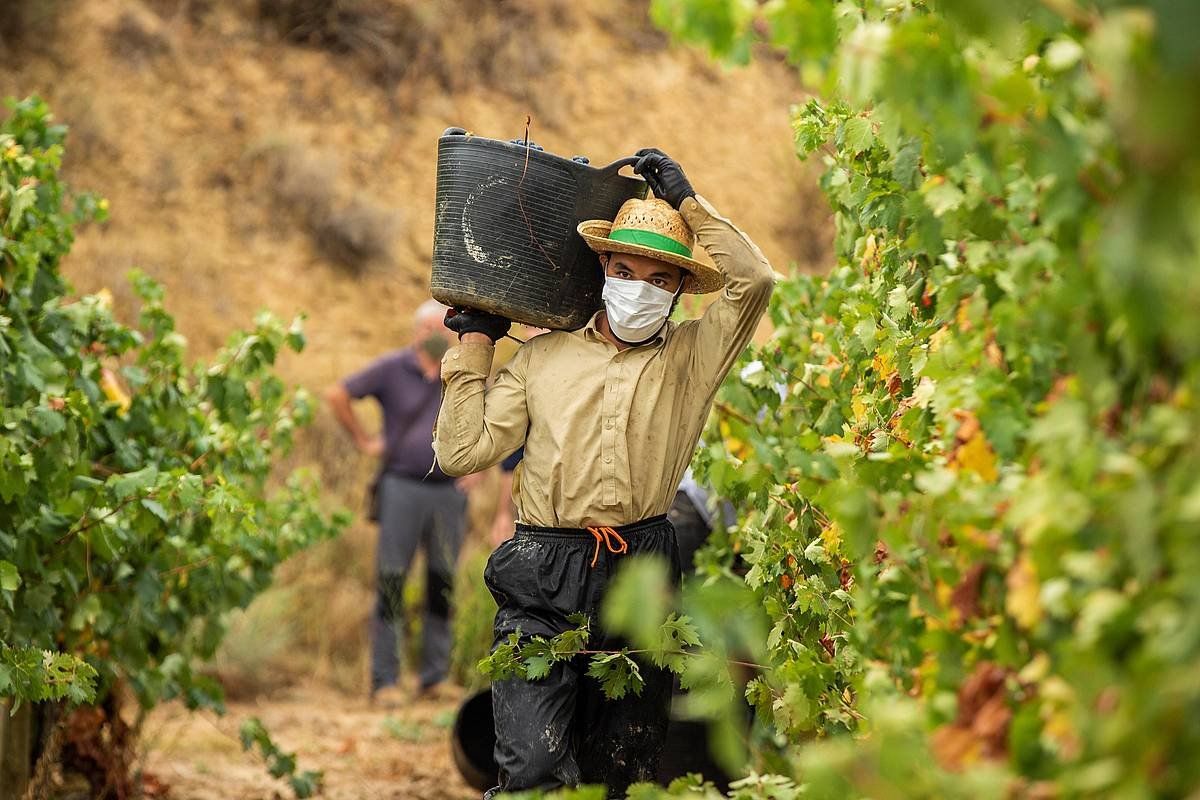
[365, 752]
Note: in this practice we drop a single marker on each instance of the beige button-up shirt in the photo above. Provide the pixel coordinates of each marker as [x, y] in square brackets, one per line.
[607, 433]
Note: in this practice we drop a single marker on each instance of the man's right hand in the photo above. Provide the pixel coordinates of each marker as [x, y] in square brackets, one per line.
[664, 175]
[469, 320]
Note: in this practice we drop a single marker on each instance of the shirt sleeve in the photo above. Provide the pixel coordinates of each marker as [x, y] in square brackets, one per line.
[370, 381]
[730, 322]
[478, 426]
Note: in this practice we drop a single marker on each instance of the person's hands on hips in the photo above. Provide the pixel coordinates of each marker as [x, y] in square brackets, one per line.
[469, 320]
[664, 175]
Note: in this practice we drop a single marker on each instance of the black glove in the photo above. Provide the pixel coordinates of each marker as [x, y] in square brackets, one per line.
[664, 175]
[470, 320]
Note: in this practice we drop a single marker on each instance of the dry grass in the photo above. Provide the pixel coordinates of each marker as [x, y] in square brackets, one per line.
[259, 645]
[474, 610]
[94, 130]
[406, 45]
[352, 232]
[355, 234]
[28, 25]
[807, 234]
[382, 36]
[140, 36]
[194, 11]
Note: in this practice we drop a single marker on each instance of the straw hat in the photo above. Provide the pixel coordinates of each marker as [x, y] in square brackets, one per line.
[653, 229]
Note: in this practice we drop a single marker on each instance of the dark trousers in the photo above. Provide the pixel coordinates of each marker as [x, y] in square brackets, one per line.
[691, 530]
[412, 514]
[561, 730]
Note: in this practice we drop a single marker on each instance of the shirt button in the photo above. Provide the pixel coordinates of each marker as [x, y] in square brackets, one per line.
[608, 459]
[609, 424]
[456, 356]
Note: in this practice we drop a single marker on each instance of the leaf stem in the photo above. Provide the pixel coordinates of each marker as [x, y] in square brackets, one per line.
[78, 528]
[730, 411]
[750, 664]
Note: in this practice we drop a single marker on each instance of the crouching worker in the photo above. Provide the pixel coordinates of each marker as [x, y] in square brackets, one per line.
[609, 416]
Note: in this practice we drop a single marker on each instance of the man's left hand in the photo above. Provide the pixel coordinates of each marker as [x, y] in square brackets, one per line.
[664, 175]
[471, 320]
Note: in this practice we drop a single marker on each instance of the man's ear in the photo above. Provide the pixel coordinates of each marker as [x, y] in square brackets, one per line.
[604, 258]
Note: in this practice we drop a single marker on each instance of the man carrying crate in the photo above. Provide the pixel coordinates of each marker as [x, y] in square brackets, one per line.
[609, 416]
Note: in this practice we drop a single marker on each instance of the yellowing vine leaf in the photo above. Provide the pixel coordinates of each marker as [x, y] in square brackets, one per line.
[963, 316]
[938, 338]
[869, 251]
[968, 424]
[976, 455]
[831, 537]
[859, 408]
[1023, 601]
[883, 365]
[994, 354]
[733, 445]
[110, 384]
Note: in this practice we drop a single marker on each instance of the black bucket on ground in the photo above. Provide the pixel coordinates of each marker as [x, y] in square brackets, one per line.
[504, 236]
[687, 751]
[473, 741]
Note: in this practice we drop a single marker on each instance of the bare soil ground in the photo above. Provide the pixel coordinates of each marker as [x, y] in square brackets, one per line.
[365, 752]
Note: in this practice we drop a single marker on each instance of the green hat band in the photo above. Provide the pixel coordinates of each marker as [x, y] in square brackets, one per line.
[655, 241]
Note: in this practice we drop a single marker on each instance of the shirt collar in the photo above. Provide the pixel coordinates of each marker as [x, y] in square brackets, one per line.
[592, 331]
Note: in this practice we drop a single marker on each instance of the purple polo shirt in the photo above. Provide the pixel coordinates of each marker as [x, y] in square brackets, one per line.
[410, 407]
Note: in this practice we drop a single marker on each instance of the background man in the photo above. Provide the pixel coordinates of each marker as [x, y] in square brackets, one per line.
[609, 416]
[415, 503]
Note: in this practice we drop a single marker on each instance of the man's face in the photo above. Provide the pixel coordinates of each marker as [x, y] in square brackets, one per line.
[430, 335]
[642, 268]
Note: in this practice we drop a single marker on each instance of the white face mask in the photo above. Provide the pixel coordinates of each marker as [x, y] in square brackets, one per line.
[636, 310]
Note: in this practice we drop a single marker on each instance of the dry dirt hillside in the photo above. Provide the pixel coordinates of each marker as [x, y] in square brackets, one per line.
[246, 170]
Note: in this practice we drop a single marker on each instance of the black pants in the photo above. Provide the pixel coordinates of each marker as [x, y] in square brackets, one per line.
[561, 730]
[691, 531]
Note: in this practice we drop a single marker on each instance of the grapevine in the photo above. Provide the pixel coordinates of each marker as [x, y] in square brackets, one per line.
[137, 503]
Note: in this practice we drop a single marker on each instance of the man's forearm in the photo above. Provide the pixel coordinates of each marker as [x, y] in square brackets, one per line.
[477, 425]
[460, 423]
[729, 323]
[338, 400]
[747, 273]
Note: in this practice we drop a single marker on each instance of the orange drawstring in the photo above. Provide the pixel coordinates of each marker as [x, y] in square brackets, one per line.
[605, 535]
